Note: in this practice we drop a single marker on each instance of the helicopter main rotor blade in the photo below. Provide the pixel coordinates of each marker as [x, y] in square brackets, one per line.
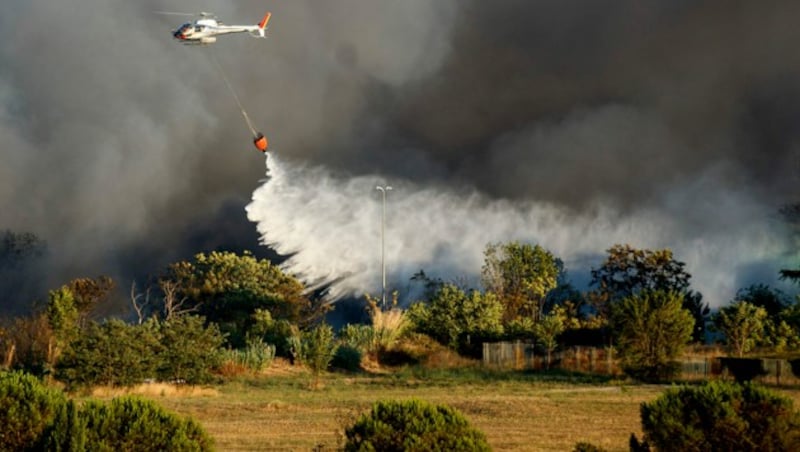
[172, 13]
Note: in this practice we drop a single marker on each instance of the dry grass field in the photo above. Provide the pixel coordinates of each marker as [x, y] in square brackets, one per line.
[281, 411]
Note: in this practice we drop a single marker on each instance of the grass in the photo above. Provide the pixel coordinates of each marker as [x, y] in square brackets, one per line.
[516, 410]
[522, 411]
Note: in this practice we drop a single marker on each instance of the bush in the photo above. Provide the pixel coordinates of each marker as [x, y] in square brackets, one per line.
[453, 316]
[413, 425]
[317, 348]
[720, 416]
[347, 358]
[358, 336]
[276, 332]
[67, 433]
[256, 356]
[112, 353]
[27, 407]
[132, 424]
[191, 350]
[34, 417]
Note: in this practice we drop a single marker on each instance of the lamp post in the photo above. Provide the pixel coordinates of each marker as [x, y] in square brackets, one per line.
[383, 190]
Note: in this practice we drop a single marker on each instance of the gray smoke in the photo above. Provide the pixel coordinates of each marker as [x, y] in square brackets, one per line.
[124, 150]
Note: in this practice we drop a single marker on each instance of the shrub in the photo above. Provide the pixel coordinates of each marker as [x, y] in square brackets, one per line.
[256, 356]
[317, 348]
[132, 424]
[413, 425]
[357, 336]
[191, 350]
[28, 345]
[453, 316]
[347, 358]
[67, 433]
[112, 353]
[27, 407]
[387, 325]
[720, 416]
[34, 417]
[276, 332]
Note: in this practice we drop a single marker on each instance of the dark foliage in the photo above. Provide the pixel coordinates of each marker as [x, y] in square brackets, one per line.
[132, 424]
[720, 416]
[628, 271]
[27, 407]
[113, 353]
[347, 358]
[190, 350]
[693, 302]
[67, 433]
[772, 300]
[744, 369]
[413, 425]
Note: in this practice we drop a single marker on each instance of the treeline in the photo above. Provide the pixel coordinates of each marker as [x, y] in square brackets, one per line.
[223, 313]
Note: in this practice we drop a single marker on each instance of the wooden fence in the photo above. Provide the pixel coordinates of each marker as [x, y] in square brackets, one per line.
[524, 355]
[595, 360]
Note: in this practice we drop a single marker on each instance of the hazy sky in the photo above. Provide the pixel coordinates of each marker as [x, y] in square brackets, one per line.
[671, 122]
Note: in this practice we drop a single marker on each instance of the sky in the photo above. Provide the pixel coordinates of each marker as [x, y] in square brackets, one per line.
[572, 124]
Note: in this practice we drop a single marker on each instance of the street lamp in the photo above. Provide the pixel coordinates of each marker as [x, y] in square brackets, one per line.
[383, 190]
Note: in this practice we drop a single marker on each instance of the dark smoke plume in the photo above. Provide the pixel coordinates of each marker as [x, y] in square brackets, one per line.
[124, 151]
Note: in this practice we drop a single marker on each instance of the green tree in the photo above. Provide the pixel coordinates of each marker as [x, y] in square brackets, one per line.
[719, 415]
[743, 325]
[227, 289]
[453, 317]
[521, 276]
[774, 301]
[627, 271]
[693, 302]
[413, 426]
[63, 316]
[547, 331]
[651, 330]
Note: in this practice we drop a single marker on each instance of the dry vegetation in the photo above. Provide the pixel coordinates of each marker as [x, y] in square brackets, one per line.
[517, 411]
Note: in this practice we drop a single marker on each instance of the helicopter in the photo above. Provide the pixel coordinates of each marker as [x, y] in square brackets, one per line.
[206, 29]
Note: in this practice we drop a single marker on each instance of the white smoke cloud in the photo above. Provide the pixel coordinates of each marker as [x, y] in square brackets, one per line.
[330, 226]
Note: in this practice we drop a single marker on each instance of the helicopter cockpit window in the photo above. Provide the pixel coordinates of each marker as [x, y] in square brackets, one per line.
[198, 28]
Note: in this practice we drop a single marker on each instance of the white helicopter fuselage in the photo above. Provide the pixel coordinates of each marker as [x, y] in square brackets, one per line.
[205, 31]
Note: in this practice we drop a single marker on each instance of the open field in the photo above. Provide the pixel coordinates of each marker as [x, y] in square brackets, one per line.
[517, 411]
